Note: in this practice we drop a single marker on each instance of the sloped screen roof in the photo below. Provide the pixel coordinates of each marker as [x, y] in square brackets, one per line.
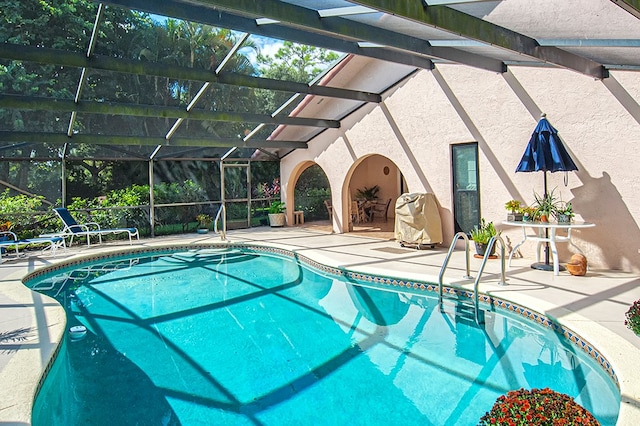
[94, 97]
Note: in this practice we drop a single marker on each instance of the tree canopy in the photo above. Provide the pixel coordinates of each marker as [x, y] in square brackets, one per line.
[132, 35]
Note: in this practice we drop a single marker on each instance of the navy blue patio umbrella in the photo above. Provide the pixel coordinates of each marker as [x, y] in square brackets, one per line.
[546, 153]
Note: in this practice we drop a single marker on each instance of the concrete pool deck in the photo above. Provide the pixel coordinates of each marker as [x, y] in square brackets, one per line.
[593, 306]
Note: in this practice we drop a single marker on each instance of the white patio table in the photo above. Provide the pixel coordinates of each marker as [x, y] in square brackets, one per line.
[547, 232]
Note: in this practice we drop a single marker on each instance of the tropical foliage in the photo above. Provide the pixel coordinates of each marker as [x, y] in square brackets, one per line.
[23, 214]
[276, 207]
[483, 232]
[368, 193]
[127, 34]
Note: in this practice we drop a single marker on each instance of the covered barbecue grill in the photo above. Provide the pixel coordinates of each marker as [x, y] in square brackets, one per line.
[418, 220]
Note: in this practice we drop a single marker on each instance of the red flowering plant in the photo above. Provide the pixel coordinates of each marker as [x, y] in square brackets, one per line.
[633, 317]
[269, 190]
[272, 193]
[537, 407]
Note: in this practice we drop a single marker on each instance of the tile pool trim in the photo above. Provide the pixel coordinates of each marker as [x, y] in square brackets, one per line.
[401, 284]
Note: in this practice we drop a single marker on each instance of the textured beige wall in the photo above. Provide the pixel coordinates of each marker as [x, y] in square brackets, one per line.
[415, 125]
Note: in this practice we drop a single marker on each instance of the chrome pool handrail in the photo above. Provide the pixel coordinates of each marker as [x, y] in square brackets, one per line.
[222, 211]
[487, 252]
[476, 283]
[446, 261]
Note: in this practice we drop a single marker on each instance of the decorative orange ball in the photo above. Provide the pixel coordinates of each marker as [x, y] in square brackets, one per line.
[577, 265]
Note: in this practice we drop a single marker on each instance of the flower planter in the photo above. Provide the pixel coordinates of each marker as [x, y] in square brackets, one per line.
[564, 218]
[514, 217]
[202, 231]
[481, 249]
[277, 219]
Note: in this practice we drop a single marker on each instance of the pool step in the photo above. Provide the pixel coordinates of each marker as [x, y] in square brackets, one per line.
[466, 313]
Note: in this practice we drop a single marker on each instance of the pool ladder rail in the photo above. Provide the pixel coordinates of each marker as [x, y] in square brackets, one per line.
[222, 213]
[490, 245]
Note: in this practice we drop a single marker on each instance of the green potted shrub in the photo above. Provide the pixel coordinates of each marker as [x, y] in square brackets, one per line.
[537, 407]
[481, 235]
[367, 196]
[276, 214]
[204, 222]
[514, 209]
[528, 214]
[368, 193]
[564, 212]
[546, 206]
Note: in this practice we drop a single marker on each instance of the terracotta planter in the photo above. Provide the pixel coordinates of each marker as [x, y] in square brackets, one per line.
[277, 219]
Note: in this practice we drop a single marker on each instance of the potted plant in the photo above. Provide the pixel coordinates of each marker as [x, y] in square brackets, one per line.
[515, 212]
[276, 213]
[564, 212]
[368, 194]
[528, 214]
[545, 206]
[204, 222]
[481, 236]
[537, 407]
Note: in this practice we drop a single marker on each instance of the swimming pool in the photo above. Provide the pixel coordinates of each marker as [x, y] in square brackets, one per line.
[230, 336]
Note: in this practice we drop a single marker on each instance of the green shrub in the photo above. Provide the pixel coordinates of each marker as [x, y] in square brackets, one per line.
[185, 192]
[104, 211]
[27, 215]
[311, 202]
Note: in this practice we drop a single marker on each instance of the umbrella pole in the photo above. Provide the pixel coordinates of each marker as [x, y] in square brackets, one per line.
[546, 266]
[546, 230]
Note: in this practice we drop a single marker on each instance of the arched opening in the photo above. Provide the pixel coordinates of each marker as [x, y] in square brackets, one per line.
[310, 194]
[369, 196]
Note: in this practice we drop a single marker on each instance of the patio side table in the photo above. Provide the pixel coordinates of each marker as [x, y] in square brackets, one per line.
[551, 237]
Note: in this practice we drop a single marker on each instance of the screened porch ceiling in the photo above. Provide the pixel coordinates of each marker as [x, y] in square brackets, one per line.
[588, 37]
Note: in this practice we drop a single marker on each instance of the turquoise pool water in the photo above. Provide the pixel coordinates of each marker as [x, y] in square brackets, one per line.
[242, 338]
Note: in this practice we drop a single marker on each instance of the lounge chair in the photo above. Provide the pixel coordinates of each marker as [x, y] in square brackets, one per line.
[89, 229]
[7, 240]
[10, 239]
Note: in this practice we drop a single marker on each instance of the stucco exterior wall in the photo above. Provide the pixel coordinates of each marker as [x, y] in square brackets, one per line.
[418, 121]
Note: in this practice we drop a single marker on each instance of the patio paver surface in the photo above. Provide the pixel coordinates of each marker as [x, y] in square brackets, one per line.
[593, 306]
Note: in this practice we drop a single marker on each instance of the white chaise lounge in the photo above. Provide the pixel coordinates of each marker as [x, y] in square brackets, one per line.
[87, 230]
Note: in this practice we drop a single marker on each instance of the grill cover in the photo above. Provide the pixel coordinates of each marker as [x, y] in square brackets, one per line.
[418, 219]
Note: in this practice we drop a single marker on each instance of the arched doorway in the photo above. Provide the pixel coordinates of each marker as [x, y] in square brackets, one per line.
[310, 194]
[370, 193]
